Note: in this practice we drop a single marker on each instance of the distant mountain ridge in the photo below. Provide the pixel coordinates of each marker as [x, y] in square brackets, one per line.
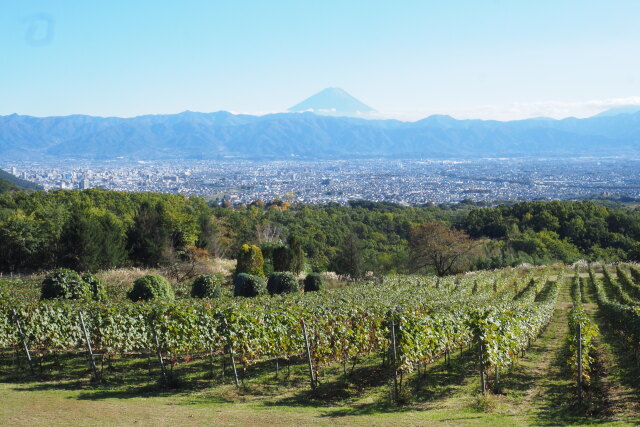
[625, 109]
[218, 135]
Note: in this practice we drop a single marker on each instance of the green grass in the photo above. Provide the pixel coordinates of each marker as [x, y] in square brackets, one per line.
[65, 394]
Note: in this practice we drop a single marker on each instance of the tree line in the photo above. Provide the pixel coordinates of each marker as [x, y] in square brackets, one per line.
[96, 229]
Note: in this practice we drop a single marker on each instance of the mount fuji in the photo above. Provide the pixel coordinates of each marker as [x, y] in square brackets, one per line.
[333, 101]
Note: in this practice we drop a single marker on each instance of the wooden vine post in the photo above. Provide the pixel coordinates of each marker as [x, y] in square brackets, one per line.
[159, 353]
[306, 343]
[24, 340]
[233, 359]
[87, 339]
[233, 365]
[395, 360]
[211, 361]
[483, 379]
[579, 332]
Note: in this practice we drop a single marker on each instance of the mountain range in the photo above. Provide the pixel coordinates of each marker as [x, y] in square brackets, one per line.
[220, 135]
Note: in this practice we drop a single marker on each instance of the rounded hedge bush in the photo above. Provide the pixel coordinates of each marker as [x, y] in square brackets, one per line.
[151, 286]
[247, 285]
[96, 287]
[313, 282]
[283, 282]
[64, 283]
[206, 286]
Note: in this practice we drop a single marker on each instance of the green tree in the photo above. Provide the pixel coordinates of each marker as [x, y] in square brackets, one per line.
[20, 241]
[297, 255]
[214, 236]
[93, 240]
[349, 260]
[250, 261]
[149, 238]
[282, 258]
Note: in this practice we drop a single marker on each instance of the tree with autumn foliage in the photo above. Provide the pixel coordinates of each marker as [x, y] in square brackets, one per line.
[446, 250]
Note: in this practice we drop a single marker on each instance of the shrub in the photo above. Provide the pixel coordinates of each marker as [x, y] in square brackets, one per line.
[64, 283]
[313, 282]
[283, 283]
[96, 287]
[247, 285]
[151, 286]
[206, 286]
[250, 261]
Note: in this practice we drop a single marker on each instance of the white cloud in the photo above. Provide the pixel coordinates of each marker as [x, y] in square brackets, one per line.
[523, 110]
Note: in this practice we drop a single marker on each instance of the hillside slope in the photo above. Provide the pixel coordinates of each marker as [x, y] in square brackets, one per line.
[9, 182]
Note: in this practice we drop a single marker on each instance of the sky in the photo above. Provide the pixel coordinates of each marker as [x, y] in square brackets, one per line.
[407, 59]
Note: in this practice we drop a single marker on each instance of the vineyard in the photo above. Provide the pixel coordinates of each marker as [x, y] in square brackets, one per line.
[398, 327]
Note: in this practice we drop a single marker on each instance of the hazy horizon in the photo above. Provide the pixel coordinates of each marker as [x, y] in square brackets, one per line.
[377, 115]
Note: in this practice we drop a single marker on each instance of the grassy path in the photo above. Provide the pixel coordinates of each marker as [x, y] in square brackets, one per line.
[618, 371]
[538, 384]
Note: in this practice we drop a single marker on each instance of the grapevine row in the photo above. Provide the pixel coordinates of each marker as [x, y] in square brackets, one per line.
[429, 317]
[505, 330]
[627, 284]
[582, 330]
[624, 319]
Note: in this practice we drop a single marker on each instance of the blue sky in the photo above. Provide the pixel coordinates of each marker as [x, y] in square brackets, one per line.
[407, 59]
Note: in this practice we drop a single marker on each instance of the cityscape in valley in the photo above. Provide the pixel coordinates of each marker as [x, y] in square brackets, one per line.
[408, 182]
